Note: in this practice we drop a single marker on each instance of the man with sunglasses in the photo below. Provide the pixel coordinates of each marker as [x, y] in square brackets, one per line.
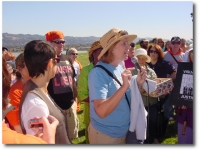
[173, 55]
[174, 51]
[62, 88]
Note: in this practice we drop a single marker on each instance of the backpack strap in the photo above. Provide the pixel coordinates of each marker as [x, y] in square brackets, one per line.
[174, 58]
[111, 75]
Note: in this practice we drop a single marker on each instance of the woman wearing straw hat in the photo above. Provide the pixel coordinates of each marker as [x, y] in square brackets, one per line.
[109, 109]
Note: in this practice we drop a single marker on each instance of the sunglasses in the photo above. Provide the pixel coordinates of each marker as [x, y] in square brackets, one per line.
[152, 51]
[59, 42]
[57, 60]
[178, 43]
[74, 54]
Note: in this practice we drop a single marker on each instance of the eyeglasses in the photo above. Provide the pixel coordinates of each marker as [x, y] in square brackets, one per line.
[178, 43]
[57, 60]
[120, 33]
[152, 51]
[74, 54]
[59, 42]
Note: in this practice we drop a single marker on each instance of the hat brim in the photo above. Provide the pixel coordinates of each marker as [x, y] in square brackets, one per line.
[105, 49]
[148, 58]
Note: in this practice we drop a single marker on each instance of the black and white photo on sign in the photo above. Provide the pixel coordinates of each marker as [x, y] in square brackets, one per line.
[183, 91]
[187, 85]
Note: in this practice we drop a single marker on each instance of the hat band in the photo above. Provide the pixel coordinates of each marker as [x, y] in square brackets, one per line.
[120, 33]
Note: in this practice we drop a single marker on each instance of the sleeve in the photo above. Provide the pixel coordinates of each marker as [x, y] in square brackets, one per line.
[15, 95]
[185, 57]
[82, 88]
[13, 117]
[98, 81]
[33, 107]
[12, 137]
[169, 67]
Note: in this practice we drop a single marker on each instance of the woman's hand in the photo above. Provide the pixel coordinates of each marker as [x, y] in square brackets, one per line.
[141, 76]
[48, 131]
[126, 77]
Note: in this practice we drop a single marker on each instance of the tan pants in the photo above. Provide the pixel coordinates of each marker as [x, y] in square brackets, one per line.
[72, 119]
[96, 137]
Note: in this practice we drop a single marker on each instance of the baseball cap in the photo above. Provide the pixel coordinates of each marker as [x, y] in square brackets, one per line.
[144, 40]
[175, 38]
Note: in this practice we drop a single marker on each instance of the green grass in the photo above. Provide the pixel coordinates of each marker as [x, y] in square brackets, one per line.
[83, 58]
[171, 133]
[81, 133]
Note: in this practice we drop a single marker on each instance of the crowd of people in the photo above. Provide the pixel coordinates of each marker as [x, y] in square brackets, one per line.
[43, 83]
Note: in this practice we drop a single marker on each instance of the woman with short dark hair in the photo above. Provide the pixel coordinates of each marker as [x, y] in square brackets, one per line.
[12, 137]
[41, 61]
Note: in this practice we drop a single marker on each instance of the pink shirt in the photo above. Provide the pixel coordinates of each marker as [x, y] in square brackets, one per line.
[128, 63]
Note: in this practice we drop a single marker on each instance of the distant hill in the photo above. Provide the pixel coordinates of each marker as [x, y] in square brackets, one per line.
[19, 40]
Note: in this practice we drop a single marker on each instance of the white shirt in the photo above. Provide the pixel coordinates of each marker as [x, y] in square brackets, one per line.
[77, 70]
[32, 107]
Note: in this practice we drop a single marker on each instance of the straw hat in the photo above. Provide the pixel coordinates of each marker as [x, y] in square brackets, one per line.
[111, 37]
[96, 45]
[143, 52]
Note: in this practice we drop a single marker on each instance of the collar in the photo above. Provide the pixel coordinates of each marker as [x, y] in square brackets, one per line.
[178, 53]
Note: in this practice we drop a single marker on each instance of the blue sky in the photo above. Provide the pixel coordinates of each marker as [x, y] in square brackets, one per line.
[92, 18]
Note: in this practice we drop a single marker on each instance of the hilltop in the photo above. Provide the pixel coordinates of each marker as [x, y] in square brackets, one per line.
[16, 42]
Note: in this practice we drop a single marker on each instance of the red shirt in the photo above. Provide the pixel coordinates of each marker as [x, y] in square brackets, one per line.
[15, 95]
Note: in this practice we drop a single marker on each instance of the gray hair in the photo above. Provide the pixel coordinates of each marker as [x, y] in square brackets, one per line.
[71, 50]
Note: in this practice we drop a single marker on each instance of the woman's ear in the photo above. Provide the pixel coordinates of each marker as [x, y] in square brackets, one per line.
[50, 64]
